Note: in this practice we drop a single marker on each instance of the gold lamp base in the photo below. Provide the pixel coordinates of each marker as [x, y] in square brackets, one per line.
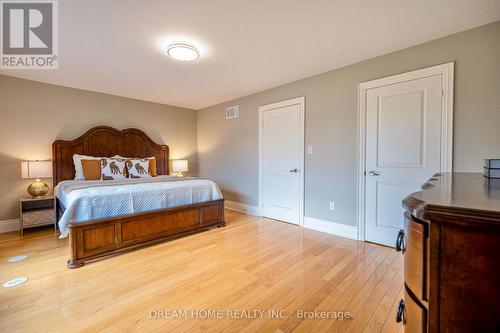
[38, 189]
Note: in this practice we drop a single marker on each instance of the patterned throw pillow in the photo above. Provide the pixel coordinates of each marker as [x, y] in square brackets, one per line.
[138, 168]
[113, 169]
[152, 163]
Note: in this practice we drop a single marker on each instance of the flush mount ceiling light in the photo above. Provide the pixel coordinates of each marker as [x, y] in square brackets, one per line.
[183, 52]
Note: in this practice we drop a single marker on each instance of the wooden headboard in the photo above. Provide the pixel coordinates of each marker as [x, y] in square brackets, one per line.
[106, 141]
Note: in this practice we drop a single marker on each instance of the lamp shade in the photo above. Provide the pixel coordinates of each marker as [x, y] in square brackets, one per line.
[180, 165]
[36, 169]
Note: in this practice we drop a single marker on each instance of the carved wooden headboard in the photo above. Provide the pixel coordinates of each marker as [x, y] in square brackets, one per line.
[106, 141]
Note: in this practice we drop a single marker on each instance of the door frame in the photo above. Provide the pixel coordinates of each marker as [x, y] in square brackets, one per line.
[446, 71]
[294, 101]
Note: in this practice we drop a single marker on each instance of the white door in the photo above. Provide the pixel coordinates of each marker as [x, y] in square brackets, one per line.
[403, 150]
[282, 149]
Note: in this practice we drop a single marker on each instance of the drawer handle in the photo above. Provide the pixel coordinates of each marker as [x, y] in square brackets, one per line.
[400, 242]
[400, 312]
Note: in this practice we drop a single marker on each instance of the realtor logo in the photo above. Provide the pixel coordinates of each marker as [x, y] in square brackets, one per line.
[29, 34]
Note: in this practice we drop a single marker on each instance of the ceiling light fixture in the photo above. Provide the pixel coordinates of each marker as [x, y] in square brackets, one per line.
[183, 52]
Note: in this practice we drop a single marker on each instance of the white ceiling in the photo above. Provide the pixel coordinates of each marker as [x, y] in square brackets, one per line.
[118, 46]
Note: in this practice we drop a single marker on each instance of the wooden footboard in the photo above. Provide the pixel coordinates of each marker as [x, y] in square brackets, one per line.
[96, 239]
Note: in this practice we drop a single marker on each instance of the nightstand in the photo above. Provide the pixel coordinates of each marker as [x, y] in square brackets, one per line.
[36, 212]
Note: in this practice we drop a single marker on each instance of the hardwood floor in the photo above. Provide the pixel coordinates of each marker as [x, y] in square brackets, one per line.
[208, 280]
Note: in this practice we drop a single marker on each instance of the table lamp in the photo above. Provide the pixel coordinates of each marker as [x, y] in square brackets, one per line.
[179, 166]
[36, 170]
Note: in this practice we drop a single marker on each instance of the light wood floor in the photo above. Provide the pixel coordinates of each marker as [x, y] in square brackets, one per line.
[251, 264]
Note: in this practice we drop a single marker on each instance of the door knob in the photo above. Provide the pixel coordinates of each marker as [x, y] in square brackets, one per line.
[294, 170]
[374, 173]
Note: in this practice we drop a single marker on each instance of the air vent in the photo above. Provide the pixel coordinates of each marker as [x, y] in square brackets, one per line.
[232, 112]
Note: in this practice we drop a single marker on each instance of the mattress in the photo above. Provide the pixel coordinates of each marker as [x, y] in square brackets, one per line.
[87, 200]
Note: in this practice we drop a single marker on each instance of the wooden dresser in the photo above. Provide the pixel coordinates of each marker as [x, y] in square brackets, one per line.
[451, 247]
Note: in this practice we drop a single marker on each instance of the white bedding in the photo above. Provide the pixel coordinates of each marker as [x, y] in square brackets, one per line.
[86, 200]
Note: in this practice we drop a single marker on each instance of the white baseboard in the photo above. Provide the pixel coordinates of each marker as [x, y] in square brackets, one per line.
[241, 207]
[337, 229]
[9, 225]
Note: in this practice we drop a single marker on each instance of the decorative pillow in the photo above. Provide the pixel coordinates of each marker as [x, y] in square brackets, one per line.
[152, 163]
[113, 169]
[77, 161]
[138, 168]
[91, 169]
[152, 167]
[119, 157]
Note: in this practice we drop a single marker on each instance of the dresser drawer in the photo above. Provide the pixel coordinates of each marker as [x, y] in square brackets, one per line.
[414, 315]
[38, 217]
[415, 263]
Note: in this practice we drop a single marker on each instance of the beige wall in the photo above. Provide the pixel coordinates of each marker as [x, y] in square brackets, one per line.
[228, 150]
[33, 115]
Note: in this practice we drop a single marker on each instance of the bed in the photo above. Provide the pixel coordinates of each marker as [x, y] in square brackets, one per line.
[96, 230]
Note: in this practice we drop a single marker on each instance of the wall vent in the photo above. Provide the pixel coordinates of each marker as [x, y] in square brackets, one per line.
[232, 112]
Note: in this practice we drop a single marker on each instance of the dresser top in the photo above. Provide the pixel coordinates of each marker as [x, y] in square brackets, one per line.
[457, 193]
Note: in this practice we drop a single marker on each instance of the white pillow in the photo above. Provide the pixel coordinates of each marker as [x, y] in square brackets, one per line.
[138, 168]
[112, 169]
[77, 161]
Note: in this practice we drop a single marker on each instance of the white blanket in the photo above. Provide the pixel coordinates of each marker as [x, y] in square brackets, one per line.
[87, 200]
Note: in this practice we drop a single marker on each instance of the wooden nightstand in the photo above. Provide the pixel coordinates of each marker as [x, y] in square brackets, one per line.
[36, 212]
